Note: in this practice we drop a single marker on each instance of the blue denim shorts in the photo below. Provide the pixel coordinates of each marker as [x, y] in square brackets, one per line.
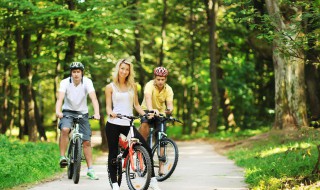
[84, 125]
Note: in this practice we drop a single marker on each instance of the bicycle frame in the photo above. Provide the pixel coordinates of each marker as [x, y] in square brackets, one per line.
[131, 141]
[161, 133]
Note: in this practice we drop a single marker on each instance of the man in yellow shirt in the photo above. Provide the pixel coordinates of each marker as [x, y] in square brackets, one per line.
[158, 97]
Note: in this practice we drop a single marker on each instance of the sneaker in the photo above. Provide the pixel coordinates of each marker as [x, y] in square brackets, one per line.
[63, 162]
[154, 184]
[115, 186]
[91, 174]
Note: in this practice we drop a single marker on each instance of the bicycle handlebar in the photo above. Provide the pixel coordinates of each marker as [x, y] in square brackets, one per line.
[120, 116]
[168, 118]
[78, 117]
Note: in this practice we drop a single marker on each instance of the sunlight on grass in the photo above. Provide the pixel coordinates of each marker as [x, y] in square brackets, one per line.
[282, 149]
[279, 159]
[273, 151]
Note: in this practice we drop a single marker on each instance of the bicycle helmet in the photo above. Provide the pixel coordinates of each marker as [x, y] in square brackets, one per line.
[161, 71]
[76, 65]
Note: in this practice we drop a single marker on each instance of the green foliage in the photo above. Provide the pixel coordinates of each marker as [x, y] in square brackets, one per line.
[26, 162]
[282, 160]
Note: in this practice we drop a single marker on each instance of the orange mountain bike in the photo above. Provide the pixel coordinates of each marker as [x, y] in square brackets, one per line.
[137, 164]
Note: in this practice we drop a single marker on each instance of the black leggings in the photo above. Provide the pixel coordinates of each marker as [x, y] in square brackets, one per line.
[113, 131]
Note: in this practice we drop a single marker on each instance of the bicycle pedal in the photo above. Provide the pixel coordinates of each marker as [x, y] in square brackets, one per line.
[132, 175]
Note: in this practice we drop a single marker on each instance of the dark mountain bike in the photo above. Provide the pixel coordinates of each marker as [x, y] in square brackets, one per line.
[137, 164]
[74, 153]
[165, 151]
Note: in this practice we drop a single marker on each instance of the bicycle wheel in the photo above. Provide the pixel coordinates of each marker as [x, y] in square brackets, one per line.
[77, 160]
[168, 157]
[70, 160]
[139, 177]
[119, 172]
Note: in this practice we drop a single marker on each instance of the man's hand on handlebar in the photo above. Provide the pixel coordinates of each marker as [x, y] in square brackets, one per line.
[168, 112]
[59, 115]
[96, 116]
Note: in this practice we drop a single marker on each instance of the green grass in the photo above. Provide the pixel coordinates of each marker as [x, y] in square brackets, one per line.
[280, 160]
[22, 163]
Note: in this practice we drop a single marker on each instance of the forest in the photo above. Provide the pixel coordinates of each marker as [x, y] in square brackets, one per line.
[233, 65]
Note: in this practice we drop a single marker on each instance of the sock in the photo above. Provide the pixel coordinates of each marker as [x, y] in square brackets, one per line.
[115, 185]
[154, 179]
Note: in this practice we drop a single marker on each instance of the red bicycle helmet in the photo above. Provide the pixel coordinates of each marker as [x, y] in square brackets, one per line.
[161, 71]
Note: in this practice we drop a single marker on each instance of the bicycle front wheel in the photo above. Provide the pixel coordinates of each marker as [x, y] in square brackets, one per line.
[165, 160]
[138, 172]
[70, 160]
[77, 160]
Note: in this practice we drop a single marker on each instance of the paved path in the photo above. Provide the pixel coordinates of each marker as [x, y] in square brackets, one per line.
[199, 167]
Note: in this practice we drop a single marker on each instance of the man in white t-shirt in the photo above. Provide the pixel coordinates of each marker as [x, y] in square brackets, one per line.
[73, 93]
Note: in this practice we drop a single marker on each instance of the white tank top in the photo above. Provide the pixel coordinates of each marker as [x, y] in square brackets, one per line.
[122, 103]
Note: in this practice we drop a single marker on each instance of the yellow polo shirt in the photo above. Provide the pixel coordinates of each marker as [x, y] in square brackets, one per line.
[158, 98]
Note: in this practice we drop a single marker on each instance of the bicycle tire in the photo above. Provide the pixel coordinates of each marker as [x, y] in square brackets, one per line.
[77, 160]
[119, 173]
[70, 161]
[140, 175]
[171, 158]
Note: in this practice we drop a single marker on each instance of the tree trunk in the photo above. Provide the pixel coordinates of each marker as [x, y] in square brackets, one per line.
[137, 48]
[70, 53]
[38, 112]
[312, 83]
[56, 79]
[99, 93]
[211, 9]
[40, 127]
[23, 53]
[312, 75]
[163, 31]
[290, 100]
[4, 114]
[21, 125]
[190, 69]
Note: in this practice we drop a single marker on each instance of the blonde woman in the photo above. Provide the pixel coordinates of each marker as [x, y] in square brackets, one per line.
[121, 97]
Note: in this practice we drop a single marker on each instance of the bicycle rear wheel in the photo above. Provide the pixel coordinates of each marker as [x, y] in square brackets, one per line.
[77, 160]
[70, 160]
[139, 179]
[168, 158]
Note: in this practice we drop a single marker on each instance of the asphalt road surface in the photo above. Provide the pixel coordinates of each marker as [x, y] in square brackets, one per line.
[199, 168]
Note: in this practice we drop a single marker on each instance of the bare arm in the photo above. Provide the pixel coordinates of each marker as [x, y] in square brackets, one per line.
[169, 107]
[95, 103]
[59, 104]
[108, 94]
[148, 98]
[136, 103]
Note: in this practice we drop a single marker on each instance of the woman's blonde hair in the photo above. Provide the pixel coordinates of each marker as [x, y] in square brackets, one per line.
[130, 78]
